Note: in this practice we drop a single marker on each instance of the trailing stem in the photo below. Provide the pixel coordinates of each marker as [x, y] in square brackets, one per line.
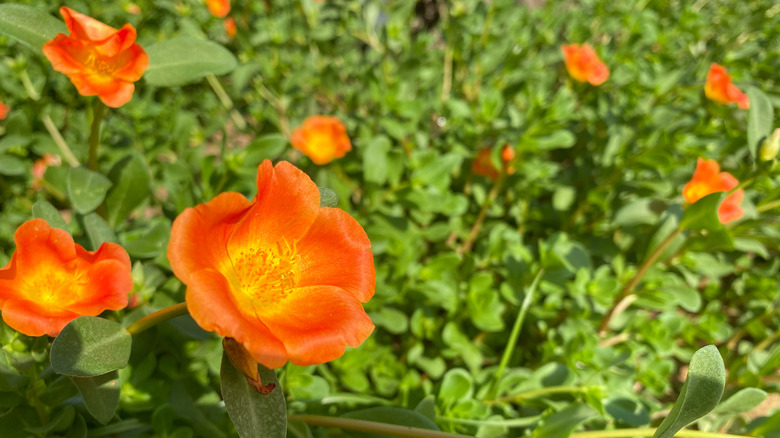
[94, 134]
[474, 232]
[510, 346]
[617, 308]
[157, 317]
[371, 427]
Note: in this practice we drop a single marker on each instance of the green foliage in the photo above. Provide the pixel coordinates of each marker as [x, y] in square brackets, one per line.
[422, 87]
[89, 346]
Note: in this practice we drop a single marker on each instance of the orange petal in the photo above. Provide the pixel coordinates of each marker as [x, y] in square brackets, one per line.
[131, 64]
[317, 323]
[286, 204]
[336, 252]
[119, 96]
[120, 41]
[25, 317]
[210, 305]
[730, 209]
[199, 235]
[85, 27]
[108, 283]
[37, 244]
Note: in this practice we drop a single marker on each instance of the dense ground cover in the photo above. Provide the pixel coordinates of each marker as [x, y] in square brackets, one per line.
[565, 291]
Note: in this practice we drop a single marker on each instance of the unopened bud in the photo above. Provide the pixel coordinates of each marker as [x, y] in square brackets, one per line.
[770, 147]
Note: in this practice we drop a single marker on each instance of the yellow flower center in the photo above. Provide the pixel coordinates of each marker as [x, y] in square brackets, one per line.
[99, 65]
[265, 275]
[55, 287]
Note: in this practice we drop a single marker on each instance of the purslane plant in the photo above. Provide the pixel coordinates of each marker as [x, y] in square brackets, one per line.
[284, 277]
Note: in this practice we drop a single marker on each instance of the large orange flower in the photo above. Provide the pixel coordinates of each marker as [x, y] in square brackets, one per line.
[483, 164]
[97, 58]
[218, 8]
[584, 64]
[720, 89]
[322, 139]
[707, 179]
[281, 275]
[50, 280]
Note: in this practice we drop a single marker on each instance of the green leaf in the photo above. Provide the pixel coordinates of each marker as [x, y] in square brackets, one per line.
[455, 386]
[375, 159]
[100, 394]
[179, 61]
[78, 429]
[44, 210]
[760, 119]
[328, 197]
[148, 242]
[86, 189]
[30, 26]
[744, 400]
[266, 147]
[700, 394]
[485, 307]
[253, 414]
[561, 424]
[130, 179]
[557, 140]
[90, 346]
[389, 415]
[703, 214]
[11, 165]
[97, 231]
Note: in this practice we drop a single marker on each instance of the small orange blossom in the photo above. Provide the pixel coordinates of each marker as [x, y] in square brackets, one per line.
[97, 58]
[218, 8]
[281, 275]
[720, 89]
[39, 168]
[51, 280]
[584, 64]
[4, 110]
[322, 139]
[230, 27]
[707, 179]
[483, 164]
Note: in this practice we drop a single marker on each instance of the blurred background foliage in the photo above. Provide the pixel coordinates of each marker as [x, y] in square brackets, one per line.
[422, 87]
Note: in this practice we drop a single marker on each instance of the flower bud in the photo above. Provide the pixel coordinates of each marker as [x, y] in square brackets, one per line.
[770, 147]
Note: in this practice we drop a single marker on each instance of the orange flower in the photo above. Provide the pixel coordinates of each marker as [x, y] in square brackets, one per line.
[707, 179]
[218, 8]
[97, 58]
[50, 280]
[584, 64]
[39, 168]
[483, 164]
[720, 89]
[230, 27]
[4, 110]
[280, 275]
[322, 139]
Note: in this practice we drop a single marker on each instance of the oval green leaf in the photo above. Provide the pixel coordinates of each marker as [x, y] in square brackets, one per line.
[700, 394]
[179, 61]
[100, 394]
[90, 346]
[760, 119]
[703, 214]
[30, 26]
[44, 210]
[86, 189]
[253, 414]
[130, 179]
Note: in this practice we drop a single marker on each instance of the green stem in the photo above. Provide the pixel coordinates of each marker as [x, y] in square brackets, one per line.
[94, 134]
[540, 392]
[371, 427]
[226, 101]
[28, 86]
[768, 206]
[474, 232]
[649, 431]
[59, 141]
[768, 341]
[510, 346]
[629, 288]
[157, 317]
